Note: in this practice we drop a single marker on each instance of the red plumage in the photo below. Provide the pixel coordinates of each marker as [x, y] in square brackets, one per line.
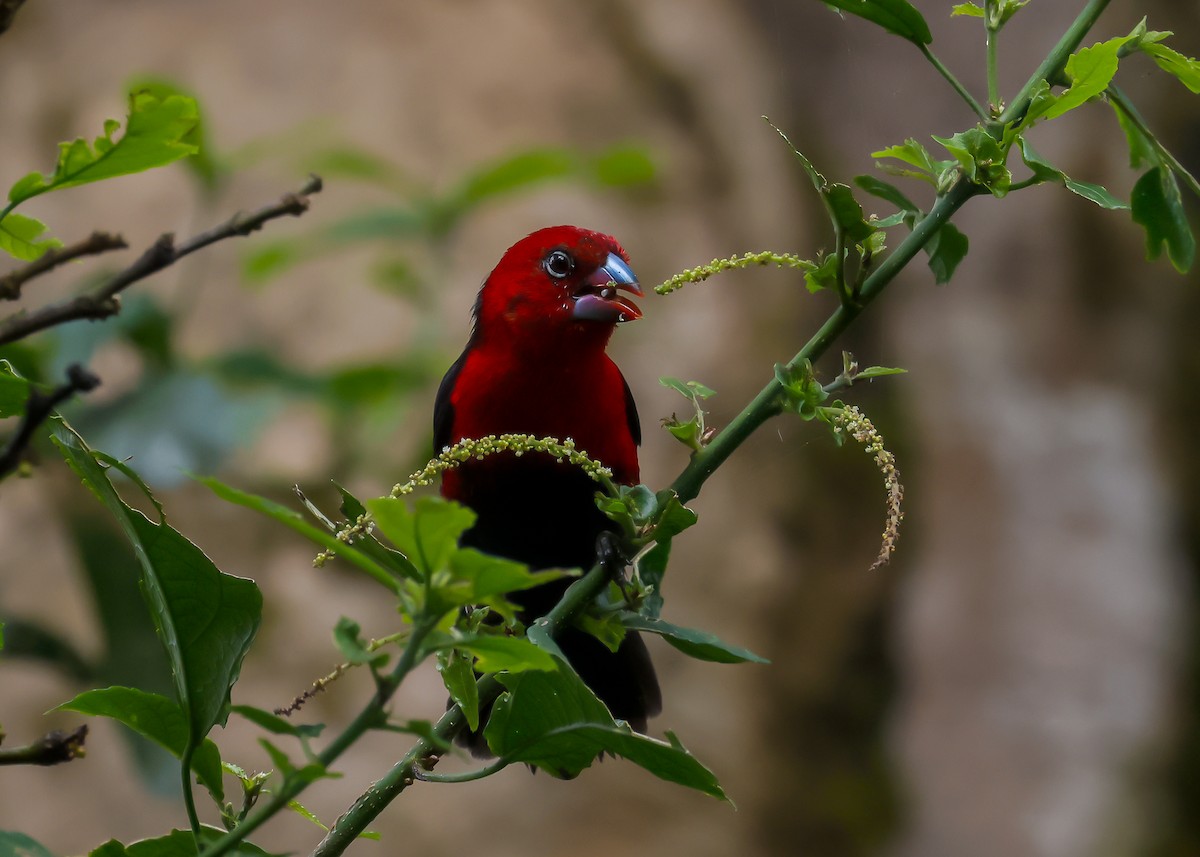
[536, 364]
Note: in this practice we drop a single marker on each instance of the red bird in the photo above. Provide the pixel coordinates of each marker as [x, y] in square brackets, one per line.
[535, 364]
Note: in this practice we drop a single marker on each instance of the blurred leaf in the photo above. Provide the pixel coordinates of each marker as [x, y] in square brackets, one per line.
[350, 162]
[694, 643]
[1047, 173]
[13, 844]
[691, 390]
[1158, 208]
[158, 718]
[896, 16]
[154, 136]
[14, 391]
[34, 642]
[553, 721]
[175, 422]
[623, 166]
[205, 619]
[23, 237]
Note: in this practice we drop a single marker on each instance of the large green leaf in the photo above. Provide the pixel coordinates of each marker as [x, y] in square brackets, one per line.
[1183, 68]
[428, 535]
[13, 844]
[895, 16]
[1158, 206]
[205, 619]
[158, 718]
[154, 136]
[1089, 70]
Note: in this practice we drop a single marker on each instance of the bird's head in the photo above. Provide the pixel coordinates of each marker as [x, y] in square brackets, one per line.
[559, 280]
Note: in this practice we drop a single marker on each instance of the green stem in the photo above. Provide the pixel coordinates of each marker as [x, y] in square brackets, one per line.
[991, 26]
[465, 777]
[376, 798]
[1117, 97]
[962, 91]
[1053, 65]
[768, 402]
[189, 799]
[367, 719]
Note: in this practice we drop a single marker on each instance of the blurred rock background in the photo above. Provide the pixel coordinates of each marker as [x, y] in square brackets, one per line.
[1021, 680]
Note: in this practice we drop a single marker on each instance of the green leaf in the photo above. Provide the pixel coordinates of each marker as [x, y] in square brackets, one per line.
[692, 642]
[14, 391]
[879, 372]
[277, 725]
[21, 237]
[294, 520]
[946, 249]
[428, 535]
[205, 619]
[981, 158]
[496, 653]
[896, 16]
[178, 843]
[154, 136]
[913, 153]
[1184, 69]
[691, 390]
[484, 577]
[802, 391]
[553, 721]
[454, 665]
[346, 634]
[203, 163]
[1044, 172]
[887, 192]
[1158, 207]
[13, 844]
[158, 718]
[1090, 70]
[847, 213]
[967, 9]
[1141, 147]
[623, 166]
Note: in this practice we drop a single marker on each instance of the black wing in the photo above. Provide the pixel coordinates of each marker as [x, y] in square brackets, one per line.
[631, 414]
[443, 410]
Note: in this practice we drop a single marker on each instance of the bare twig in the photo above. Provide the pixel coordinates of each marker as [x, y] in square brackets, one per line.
[8, 10]
[53, 749]
[97, 242]
[105, 300]
[38, 408]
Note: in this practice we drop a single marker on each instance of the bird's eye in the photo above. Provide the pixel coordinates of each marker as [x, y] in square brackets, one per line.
[558, 264]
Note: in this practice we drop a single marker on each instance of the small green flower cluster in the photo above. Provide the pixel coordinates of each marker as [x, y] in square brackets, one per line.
[852, 421]
[478, 449]
[716, 266]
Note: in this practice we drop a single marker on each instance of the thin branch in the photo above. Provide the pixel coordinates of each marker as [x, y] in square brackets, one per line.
[38, 408]
[53, 749]
[8, 10]
[97, 242]
[954, 82]
[105, 301]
